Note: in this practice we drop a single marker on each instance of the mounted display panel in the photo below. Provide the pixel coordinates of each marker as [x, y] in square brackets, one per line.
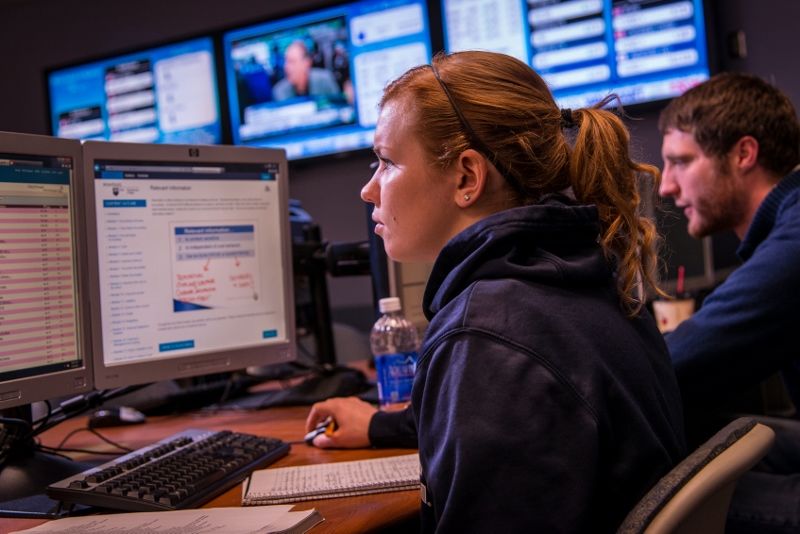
[642, 50]
[311, 83]
[166, 94]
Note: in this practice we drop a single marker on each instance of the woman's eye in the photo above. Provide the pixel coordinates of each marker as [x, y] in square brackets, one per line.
[381, 165]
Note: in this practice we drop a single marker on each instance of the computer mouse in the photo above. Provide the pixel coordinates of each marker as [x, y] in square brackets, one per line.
[116, 416]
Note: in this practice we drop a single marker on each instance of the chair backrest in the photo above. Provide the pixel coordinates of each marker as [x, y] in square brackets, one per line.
[694, 496]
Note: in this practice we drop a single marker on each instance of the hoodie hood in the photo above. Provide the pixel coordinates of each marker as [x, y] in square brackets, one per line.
[553, 242]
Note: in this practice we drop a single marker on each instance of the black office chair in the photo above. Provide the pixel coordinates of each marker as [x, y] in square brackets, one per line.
[694, 497]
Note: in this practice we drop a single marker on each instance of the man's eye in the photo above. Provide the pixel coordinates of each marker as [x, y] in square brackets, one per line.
[677, 162]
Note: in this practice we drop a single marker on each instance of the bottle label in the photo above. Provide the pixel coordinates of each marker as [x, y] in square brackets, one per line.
[395, 376]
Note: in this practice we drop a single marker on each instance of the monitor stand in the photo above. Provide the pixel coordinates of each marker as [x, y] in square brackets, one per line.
[330, 381]
[26, 473]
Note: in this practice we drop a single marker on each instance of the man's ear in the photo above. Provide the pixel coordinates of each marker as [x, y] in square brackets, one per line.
[744, 153]
[471, 173]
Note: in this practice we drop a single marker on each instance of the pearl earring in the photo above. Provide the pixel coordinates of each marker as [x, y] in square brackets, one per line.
[466, 197]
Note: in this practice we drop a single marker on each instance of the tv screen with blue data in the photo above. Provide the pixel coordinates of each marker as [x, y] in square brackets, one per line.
[166, 94]
[642, 50]
[311, 83]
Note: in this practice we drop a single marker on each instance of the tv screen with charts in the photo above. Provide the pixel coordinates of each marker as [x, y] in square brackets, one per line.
[642, 50]
[159, 95]
[311, 83]
[189, 256]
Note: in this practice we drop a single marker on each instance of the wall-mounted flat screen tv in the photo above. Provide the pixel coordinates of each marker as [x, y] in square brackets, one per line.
[310, 83]
[642, 50]
[166, 94]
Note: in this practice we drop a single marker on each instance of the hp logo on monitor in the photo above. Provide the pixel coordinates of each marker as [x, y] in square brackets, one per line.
[194, 152]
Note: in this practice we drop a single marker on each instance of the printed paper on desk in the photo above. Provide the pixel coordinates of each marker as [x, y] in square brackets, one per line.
[257, 520]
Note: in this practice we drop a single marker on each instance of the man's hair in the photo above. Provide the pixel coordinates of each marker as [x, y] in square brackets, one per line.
[730, 106]
[301, 44]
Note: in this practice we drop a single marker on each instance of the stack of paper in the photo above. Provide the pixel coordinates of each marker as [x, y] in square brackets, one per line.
[260, 520]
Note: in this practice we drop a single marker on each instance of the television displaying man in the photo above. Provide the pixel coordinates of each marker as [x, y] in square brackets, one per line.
[301, 78]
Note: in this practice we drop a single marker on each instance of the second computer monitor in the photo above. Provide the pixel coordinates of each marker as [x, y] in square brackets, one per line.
[43, 349]
[189, 258]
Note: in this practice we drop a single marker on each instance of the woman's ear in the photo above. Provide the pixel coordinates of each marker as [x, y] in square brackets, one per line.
[471, 173]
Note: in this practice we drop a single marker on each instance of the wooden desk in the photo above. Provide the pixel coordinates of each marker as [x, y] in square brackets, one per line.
[366, 513]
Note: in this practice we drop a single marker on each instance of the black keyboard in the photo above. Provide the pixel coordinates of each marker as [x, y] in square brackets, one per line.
[184, 470]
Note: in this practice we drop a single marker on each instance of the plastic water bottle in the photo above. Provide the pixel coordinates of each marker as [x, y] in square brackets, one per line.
[394, 341]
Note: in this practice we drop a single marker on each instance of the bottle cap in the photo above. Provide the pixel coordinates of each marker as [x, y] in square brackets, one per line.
[389, 304]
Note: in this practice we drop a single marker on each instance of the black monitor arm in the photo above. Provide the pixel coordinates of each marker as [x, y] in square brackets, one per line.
[314, 259]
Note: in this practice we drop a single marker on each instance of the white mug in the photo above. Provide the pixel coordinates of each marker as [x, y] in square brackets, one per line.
[670, 313]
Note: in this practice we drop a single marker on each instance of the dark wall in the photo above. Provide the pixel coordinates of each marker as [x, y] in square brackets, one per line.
[37, 34]
[769, 28]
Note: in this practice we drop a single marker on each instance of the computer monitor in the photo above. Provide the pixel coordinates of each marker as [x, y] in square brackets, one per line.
[43, 344]
[166, 94]
[43, 349]
[642, 50]
[405, 280]
[682, 253]
[408, 281]
[311, 83]
[723, 252]
[189, 258]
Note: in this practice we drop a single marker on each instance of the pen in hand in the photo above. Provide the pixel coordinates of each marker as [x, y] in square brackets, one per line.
[327, 426]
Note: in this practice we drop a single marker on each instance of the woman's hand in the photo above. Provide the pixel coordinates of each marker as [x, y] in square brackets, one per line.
[351, 416]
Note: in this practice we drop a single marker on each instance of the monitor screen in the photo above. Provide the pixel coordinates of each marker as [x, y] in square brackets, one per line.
[642, 50]
[42, 352]
[189, 256]
[681, 252]
[160, 95]
[723, 252]
[311, 83]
